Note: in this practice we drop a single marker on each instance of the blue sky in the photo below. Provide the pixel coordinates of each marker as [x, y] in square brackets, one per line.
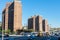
[48, 9]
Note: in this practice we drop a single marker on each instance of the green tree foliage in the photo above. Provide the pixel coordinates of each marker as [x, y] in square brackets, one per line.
[8, 31]
[24, 30]
[0, 27]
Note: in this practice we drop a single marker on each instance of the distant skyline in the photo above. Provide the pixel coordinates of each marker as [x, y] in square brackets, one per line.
[48, 9]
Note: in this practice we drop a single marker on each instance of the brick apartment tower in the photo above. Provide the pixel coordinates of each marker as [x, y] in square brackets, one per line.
[31, 23]
[3, 19]
[35, 23]
[5, 16]
[12, 16]
[45, 25]
[38, 23]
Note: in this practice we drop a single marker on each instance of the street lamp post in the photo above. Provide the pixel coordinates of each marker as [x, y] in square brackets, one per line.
[2, 33]
[2, 29]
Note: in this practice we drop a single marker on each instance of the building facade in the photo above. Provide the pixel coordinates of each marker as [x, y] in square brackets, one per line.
[3, 19]
[35, 23]
[12, 16]
[31, 23]
[38, 23]
[45, 25]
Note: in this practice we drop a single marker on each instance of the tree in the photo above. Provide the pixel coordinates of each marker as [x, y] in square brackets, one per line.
[8, 31]
[19, 31]
[47, 33]
[31, 30]
[40, 33]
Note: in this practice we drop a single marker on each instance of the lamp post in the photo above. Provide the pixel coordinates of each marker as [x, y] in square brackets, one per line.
[2, 28]
[2, 33]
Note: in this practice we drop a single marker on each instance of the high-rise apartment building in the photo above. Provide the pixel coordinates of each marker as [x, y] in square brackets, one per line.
[38, 23]
[3, 19]
[31, 23]
[45, 25]
[35, 23]
[12, 16]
